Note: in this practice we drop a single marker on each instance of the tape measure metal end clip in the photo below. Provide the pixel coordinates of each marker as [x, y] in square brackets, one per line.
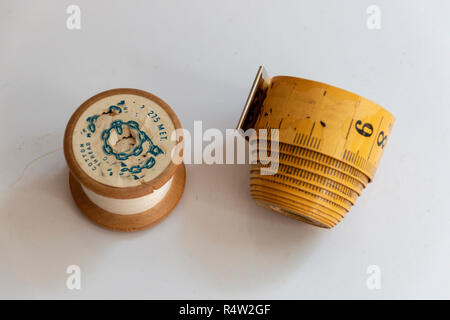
[255, 100]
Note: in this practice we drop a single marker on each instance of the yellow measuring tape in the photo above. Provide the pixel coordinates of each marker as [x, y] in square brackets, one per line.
[329, 146]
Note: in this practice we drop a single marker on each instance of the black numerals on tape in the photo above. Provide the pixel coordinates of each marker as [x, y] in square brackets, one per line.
[382, 139]
[365, 129]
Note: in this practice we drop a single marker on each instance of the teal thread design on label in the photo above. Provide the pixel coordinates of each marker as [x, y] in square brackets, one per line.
[93, 119]
[116, 108]
[122, 140]
[153, 149]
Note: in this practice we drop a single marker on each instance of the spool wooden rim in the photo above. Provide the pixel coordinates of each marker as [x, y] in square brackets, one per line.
[130, 192]
[133, 222]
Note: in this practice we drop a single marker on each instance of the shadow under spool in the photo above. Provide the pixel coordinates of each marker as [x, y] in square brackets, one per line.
[118, 148]
[328, 146]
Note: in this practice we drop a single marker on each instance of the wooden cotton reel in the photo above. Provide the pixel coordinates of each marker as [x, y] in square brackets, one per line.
[118, 148]
[330, 144]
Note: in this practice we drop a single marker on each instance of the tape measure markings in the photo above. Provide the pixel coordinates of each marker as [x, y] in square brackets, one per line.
[301, 104]
[307, 176]
[300, 152]
[303, 194]
[378, 130]
[294, 180]
[290, 149]
[280, 199]
[337, 175]
[316, 190]
[320, 170]
[307, 194]
[328, 145]
[330, 219]
[294, 211]
[299, 201]
[299, 160]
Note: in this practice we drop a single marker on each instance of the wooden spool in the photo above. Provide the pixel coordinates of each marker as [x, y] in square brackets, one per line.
[118, 146]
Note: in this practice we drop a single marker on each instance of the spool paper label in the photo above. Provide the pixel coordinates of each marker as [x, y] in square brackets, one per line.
[123, 140]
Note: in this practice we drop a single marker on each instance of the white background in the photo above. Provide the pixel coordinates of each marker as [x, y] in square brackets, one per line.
[201, 57]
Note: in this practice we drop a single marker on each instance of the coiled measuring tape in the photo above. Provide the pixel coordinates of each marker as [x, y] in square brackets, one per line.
[329, 145]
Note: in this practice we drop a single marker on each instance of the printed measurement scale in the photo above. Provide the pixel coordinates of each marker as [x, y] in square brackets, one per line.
[329, 145]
